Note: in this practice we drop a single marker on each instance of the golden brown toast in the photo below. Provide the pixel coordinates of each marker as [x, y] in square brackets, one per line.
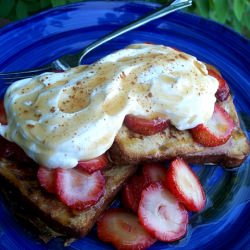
[132, 148]
[23, 182]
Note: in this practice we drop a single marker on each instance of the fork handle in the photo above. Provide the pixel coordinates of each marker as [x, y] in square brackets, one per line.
[176, 5]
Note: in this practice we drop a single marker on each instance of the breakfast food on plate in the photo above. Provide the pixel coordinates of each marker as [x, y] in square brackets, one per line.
[70, 140]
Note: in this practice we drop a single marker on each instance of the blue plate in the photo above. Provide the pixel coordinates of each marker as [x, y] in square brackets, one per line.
[225, 223]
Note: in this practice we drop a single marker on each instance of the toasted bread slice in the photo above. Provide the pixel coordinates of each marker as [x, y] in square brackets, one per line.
[23, 182]
[132, 148]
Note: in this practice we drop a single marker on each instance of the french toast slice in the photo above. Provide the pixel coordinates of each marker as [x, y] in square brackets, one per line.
[131, 148]
[22, 181]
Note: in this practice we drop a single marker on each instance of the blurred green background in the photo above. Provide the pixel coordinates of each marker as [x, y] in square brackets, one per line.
[233, 13]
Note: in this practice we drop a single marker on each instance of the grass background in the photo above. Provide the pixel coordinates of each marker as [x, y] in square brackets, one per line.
[233, 13]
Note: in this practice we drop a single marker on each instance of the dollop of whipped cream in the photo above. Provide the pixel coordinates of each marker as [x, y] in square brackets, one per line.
[61, 118]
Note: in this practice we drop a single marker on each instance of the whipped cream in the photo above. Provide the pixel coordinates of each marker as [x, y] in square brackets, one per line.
[61, 118]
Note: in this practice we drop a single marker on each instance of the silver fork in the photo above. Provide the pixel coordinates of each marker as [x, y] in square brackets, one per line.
[67, 61]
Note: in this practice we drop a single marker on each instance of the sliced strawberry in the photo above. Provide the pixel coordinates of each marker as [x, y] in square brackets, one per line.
[47, 179]
[184, 184]
[132, 192]
[154, 172]
[78, 189]
[123, 230]
[223, 89]
[149, 43]
[19, 155]
[151, 172]
[216, 131]
[145, 126]
[93, 165]
[5, 148]
[176, 49]
[162, 215]
[3, 117]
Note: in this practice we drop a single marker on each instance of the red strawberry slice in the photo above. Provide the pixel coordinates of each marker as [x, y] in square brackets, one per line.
[78, 189]
[162, 215]
[5, 148]
[13, 151]
[176, 49]
[93, 165]
[18, 153]
[184, 184]
[132, 192]
[223, 89]
[47, 179]
[3, 117]
[154, 172]
[145, 126]
[216, 131]
[123, 230]
[150, 43]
